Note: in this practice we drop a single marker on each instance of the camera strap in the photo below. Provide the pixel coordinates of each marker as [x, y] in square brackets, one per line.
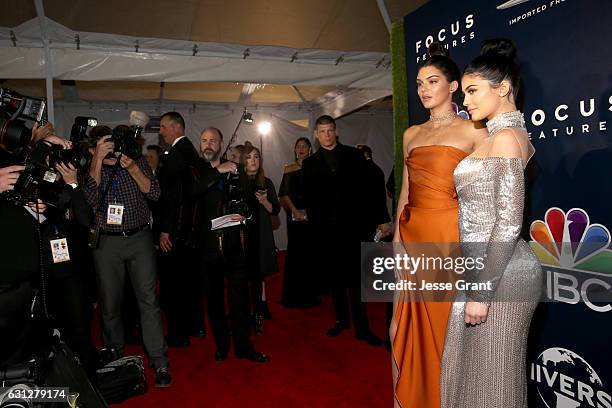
[110, 182]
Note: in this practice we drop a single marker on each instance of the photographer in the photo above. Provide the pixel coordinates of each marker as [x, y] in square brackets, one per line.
[118, 187]
[223, 252]
[15, 287]
[19, 251]
[68, 268]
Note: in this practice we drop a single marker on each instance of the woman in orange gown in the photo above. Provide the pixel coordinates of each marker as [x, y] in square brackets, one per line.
[427, 212]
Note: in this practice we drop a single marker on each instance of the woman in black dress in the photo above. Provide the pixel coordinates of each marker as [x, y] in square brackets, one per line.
[299, 288]
[260, 248]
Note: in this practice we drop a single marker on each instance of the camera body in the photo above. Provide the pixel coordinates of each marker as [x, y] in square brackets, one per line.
[15, 109]
[17, 106]
[38, 180]
[78, 156]
[125, 141]
[236, 203]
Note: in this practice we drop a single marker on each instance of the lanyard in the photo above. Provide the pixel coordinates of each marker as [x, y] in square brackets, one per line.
[115, 184]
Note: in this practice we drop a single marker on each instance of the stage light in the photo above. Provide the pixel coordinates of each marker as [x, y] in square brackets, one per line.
[247, 117]
[264, 128]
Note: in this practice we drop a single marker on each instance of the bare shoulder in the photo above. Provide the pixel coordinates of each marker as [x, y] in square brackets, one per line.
[291, 167]
[412, 133]
[474, 133]
[477, 130]
[507, 143]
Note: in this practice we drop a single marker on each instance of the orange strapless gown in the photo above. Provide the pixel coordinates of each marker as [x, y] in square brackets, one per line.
[418, 329]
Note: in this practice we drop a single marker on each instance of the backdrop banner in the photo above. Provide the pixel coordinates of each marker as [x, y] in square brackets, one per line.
[566, 60]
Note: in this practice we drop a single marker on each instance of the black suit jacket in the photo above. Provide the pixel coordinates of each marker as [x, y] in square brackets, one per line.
[380, 213]
[340, 204]
[210, 189]
[177, 205]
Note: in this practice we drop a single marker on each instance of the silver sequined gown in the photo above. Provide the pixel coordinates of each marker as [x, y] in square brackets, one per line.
[484, 366]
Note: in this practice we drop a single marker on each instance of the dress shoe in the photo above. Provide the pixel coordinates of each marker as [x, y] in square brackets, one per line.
[163, 379]
[338, 328]
[370, 338]
[253, 355]
[220, 355]
[172, 341]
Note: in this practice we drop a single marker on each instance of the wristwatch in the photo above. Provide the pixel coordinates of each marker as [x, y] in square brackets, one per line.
[73, 185]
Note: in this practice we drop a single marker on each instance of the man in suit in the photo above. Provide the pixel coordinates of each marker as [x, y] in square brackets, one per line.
[180, 289]
[340, 209]
[154, 153]
[378, 194]
[222, 252]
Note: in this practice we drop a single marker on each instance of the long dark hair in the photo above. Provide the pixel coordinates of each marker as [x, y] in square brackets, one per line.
[260, 178]
[496, 63]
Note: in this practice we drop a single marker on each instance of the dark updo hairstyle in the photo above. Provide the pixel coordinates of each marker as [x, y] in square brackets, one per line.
[302, 139]
[438, 57]
[497, 63]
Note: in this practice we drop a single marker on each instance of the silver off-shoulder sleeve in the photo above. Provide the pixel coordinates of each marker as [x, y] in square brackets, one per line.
[508, 186]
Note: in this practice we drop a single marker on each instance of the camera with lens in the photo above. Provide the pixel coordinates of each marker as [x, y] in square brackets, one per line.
[15, 110]
[239, 207]
[38, 180]
[78, 155]
[126, 138]
[125, 142]
[236, 203]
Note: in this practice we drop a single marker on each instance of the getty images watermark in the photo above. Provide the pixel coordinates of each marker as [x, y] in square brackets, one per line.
[439, 271]
[405, 267]
[420, 271]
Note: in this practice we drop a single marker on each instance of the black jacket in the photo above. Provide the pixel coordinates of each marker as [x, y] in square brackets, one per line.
[210, 192]
[74, 230]
[260, 235]
[341, 202]
[177, 205]
[19, 243]
[380, 213]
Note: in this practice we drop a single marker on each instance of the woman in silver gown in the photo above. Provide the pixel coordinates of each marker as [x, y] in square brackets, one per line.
[484, 360]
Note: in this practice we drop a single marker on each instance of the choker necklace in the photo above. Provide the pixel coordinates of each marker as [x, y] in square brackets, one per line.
[514, 119]
[443, 118]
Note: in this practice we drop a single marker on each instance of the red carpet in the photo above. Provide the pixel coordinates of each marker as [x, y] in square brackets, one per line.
[307, 369]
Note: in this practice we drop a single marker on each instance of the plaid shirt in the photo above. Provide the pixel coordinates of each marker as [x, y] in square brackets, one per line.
[122, 190]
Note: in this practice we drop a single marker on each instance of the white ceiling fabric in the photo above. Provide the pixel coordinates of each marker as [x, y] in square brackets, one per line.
[114, 57]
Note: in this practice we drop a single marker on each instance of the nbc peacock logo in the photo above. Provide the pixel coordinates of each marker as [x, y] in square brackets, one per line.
[576, 258]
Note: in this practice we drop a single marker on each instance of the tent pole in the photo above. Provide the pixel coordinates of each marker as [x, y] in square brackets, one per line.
[311, 126]
[162, 87]
[384, 13]
[40, 11]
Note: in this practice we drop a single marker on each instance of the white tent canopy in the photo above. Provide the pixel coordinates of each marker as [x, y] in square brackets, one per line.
[99, 57]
